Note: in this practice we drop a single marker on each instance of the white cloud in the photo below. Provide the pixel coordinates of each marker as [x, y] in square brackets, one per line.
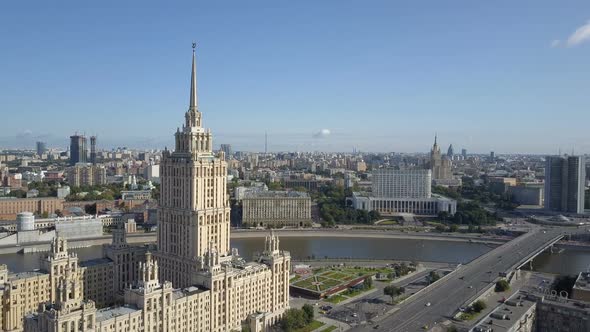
[322, 133]
[555, 43]
[581, 35]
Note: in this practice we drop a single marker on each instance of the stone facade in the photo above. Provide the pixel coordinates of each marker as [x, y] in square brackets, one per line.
[277, 209]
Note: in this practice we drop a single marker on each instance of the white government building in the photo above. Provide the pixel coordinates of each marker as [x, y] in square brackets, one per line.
[192, 280]
[402, 191]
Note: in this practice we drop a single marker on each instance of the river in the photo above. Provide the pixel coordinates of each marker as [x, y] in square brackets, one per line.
[569, 261]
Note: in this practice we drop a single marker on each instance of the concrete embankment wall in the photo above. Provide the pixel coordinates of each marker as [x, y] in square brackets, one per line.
[369, 234]
[80, 243]
[244, 234]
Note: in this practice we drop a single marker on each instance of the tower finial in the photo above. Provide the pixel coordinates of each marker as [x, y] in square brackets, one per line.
[193, 99]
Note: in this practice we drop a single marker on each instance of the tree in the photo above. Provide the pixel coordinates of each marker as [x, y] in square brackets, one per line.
[453, 228]
[564, 283]
[293, 319]
[246, 327]
[308, 311]
[478, 306]
[502, 286]
[393, 291]
[18, 193]
[433, 276]
[368, 283]
[90, 208]
[440, 228]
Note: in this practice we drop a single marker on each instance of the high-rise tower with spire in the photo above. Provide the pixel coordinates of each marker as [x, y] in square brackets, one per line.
[440, 165]
[193, 282]
[194, 208]
[194, 230]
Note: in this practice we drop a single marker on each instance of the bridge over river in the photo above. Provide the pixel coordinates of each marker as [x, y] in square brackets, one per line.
[467, 282]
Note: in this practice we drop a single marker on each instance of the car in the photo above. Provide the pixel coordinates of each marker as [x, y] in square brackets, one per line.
[355, 314]
[470, 287]
[462, 309]
[427, 304]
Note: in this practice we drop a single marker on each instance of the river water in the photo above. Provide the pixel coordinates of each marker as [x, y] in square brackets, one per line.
[569, 261]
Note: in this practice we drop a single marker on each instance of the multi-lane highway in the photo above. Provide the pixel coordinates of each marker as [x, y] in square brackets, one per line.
[443, 298]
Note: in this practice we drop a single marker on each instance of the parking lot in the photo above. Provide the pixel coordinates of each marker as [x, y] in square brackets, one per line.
[370, 307]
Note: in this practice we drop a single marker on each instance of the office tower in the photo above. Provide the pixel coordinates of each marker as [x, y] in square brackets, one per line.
[492, 156]
[78, 150]
[565, 183]
[450, 151]
[93, 149]
[464, 153]
[226, 148]
[265, 143]
[392, 183]
[41, 148]
[440, 166]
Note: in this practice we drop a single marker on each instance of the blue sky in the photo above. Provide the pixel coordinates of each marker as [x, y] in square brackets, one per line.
[509, 76]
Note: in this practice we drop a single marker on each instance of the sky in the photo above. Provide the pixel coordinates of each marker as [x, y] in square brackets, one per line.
[508, 76]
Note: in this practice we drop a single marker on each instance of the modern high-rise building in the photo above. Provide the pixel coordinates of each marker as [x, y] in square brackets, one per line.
[226, 148]
[41, 148]
[93, 149]
[450, 151]
[464, 153]
[565, 179]
[492, 156]
[78, 149]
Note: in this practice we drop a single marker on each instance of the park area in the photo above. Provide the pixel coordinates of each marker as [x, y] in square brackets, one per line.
[328, 281]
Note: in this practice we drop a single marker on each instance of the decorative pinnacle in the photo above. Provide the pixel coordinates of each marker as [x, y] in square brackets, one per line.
[194, 45]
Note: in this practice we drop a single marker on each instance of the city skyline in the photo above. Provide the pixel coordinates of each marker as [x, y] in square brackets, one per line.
[386, 83]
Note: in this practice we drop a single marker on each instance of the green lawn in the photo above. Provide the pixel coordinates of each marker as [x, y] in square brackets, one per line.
[388, 222]
[330, 328]
[346, 295]
[468, 316]
[314, 325]
[355, 292]
[336, 298]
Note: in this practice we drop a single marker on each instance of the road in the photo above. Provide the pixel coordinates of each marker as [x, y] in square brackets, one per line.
[446, 296]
